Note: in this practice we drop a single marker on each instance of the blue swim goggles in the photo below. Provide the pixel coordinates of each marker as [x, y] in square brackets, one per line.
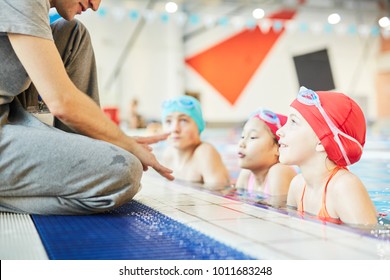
[183, 102]
[187, 105]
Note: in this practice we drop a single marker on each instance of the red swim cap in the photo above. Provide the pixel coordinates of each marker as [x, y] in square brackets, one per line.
[345, 114]
[272, 120]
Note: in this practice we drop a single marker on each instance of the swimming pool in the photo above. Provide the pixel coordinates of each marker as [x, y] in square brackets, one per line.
[257, 230]
[373, 168]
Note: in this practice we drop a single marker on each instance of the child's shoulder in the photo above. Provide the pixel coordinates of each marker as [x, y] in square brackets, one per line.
[348, 182]
[205, 149]
[279, 178]
[243, 178]
[298, 182]
[279, 168]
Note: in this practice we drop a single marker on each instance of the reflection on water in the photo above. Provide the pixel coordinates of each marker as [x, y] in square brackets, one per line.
[382, 232]
[274, 203]
[375, 174]
[278, 202]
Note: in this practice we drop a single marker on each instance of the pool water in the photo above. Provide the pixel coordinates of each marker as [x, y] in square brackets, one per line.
[375, 174]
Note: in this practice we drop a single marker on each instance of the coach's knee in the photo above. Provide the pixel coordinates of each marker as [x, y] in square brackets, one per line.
[119, 181]
[128, 172]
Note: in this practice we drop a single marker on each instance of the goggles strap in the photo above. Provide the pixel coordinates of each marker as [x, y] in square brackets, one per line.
[336, 132]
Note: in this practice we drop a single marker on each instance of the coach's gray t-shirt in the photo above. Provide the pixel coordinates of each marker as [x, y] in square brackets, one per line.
[30, 17]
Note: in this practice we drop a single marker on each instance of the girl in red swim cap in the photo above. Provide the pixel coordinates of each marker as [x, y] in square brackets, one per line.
[325, 133]
[259, 156]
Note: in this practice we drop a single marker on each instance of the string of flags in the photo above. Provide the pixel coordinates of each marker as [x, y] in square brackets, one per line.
[239, 22]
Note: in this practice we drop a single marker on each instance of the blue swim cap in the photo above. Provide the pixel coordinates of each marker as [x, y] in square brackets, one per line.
[185, 104]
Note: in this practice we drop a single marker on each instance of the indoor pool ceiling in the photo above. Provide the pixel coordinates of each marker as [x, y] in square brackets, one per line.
[190, 5]
[356, 8]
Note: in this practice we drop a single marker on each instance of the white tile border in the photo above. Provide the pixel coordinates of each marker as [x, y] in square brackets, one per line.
[19, 238]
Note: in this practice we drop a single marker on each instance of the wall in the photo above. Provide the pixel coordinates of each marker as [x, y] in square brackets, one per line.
[154, 69]
[383, 79]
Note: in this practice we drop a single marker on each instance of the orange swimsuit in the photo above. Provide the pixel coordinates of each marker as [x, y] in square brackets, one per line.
[323, 215]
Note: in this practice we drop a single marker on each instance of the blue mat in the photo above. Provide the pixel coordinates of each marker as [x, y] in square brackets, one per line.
[132, 232]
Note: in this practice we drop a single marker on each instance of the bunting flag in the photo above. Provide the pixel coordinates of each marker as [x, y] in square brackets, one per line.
[53, 15]
[265, 24]
[121, 14]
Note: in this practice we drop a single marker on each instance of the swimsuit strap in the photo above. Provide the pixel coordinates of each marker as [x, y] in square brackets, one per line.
[323, 208]
[266, 186]
[300, 205]
[323, 214]
[252, 182]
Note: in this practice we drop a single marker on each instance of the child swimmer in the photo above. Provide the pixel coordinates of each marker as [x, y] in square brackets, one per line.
[325, 133]
[187, 155]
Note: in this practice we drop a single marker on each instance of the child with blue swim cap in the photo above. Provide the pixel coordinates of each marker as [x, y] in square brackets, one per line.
[185, 104]
[187, 155]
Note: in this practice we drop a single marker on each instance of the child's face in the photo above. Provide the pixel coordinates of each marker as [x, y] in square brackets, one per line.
[183, 129]
[297, 140]
[257, 148]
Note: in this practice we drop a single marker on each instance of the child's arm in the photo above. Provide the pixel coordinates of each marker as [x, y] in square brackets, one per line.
[242, 179]
[295, 191]
[279, 179]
